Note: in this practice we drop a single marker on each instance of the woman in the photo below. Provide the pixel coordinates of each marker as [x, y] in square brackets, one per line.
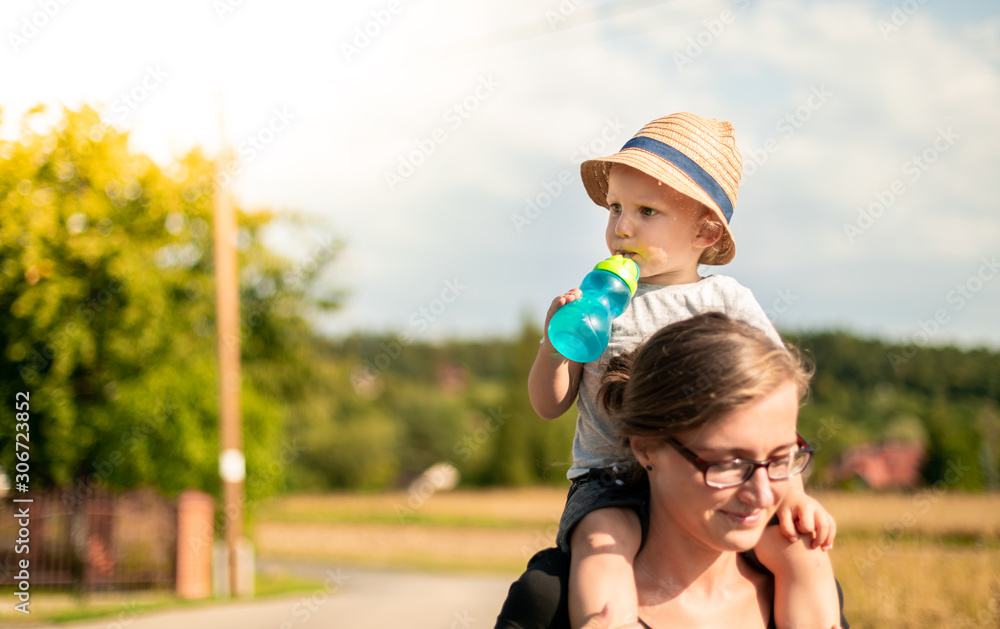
[709, 406]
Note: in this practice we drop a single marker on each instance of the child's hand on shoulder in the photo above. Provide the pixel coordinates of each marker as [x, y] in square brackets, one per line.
[602, 620]
[799, 513]
[783, 556]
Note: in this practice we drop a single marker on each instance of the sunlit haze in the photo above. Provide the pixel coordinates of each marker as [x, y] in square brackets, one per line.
[441, 140]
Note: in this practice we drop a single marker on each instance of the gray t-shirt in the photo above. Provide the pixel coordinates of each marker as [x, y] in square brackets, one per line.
[652, 307]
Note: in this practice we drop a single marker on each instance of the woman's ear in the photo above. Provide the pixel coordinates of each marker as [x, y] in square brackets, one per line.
[641, 447]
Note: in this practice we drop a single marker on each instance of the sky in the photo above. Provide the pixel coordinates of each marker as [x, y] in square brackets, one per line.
[440, 140]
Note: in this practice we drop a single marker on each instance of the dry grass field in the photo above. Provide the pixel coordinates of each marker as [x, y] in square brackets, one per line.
[915, 560]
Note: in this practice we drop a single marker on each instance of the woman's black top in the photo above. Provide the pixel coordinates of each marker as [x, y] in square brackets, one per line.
[538, 599]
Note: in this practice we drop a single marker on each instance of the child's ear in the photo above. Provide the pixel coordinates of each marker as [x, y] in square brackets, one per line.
[709, 231]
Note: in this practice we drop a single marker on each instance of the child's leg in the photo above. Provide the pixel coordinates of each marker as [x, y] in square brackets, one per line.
[603, 547]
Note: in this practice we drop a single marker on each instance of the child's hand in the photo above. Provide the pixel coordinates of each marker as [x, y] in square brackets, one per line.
[557, 303]
[800, 513]
[571, 295]
[603, 621]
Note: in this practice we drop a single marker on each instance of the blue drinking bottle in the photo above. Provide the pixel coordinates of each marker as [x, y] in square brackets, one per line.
[581, 329]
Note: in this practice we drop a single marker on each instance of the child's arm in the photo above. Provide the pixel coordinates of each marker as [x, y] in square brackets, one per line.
[603, 546]
[805, 592]
[554, 379]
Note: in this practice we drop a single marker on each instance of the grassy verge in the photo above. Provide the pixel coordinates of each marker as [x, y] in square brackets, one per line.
[924, 559]
[122, 607]
[912, 583]
[907, 560]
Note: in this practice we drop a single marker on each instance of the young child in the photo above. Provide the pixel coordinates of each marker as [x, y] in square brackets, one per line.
[670, 193]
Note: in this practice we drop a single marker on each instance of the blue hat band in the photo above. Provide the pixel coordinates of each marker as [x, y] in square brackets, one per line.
[687, 166]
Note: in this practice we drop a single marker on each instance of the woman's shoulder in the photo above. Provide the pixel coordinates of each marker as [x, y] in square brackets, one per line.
[751, 558]
[538, 599]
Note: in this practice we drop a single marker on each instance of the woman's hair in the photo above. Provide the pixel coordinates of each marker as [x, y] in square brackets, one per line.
[693, 372]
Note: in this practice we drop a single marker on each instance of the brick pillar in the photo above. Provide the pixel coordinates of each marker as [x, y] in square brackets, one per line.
[195, 534]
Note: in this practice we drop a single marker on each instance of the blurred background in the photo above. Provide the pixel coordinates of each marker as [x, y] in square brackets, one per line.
[406, 177]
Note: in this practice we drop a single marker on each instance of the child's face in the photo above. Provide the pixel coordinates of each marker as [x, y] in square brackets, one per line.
[654, 225]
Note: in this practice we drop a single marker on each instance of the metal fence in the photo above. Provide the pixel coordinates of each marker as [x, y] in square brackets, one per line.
[90, 539]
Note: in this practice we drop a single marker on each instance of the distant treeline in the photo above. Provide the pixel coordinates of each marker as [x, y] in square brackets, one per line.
[375, 411]
[107, 307]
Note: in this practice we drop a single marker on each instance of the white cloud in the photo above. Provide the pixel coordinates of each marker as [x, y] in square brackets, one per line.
[558, 85]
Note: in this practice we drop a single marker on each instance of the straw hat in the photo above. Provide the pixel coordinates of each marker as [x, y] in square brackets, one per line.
[696, 156]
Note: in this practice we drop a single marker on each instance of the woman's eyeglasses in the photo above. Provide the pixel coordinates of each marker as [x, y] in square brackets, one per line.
[734, 472]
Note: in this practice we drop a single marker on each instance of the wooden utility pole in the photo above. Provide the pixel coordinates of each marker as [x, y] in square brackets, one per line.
[232, 465]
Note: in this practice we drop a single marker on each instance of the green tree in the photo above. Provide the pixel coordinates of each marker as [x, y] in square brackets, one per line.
[988, 427]
[528, 449]
[107, 314]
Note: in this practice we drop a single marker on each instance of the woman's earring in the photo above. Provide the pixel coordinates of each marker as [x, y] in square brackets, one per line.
[649, 467]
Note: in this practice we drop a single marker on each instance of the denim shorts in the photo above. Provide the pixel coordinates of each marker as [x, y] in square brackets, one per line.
[597, 489]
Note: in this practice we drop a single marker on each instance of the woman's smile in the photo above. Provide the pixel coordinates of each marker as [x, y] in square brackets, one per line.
[744, 519]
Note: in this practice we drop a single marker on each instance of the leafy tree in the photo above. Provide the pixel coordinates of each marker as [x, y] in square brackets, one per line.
[528, 449]
[402, 421]
[107, 313]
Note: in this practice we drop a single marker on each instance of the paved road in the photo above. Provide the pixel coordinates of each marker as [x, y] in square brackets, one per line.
[353, 598]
